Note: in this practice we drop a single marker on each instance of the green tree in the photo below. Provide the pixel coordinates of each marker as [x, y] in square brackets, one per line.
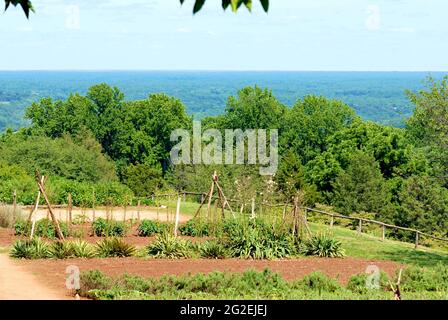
[423, 204]
[254, 108]
[290, 179]
[309, 124]
[362, 188]
[56, 157]
[143, 179]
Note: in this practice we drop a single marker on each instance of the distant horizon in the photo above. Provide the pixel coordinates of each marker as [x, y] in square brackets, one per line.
[217, 70]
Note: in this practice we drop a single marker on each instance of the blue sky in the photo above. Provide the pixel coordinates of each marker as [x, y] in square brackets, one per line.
[382, 35]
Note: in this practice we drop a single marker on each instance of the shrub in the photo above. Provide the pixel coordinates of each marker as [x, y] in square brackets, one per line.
[115, 247]
[195, 228]
[322, 245]
[358, 283]
[43, 228]
[149, 228]
[255, 240]
[21, 228]
[30, 249]
[61, 250]
[213, 249]
[23, 250]
[93, 280]
[318, 281]
[83, 249]
[168, 246]
[415, 279]
[103, 228]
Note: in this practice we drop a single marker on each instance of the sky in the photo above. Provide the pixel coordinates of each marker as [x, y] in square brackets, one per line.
[296, 35]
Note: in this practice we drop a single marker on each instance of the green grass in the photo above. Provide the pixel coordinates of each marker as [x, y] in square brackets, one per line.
[371, 247]
[189, 208]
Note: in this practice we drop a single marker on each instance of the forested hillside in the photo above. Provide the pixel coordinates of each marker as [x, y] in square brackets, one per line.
[376, 96]
[101, 141]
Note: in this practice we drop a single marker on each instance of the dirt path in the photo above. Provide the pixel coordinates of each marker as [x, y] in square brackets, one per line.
[18, 284]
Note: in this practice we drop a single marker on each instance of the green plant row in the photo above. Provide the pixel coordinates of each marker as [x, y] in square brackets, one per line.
[39, 249]
[417, 283]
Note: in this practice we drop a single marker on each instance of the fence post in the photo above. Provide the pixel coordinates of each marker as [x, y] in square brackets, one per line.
[176, 223]
[93, 205]
[138, 211]
[70, 208]
[14, 201]
[384, 232]
[253, 208]
[360, 227]
[185, 197]
[332, 221]
[416, 239]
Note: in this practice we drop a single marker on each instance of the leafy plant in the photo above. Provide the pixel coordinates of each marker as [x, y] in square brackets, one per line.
[115, 247]
[320, 282]
[213, 249]
[149, 228]
[61, 250]
[168, 246]
[103, 228]
[30, 249]
[83, 249]
[322, 245]
[195, 228]
[256, 240]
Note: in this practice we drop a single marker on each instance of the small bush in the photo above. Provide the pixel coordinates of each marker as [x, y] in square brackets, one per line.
[149, 228]
[258, 242]
[61, 250]
[103, 228]
[213, 249]
[44, 228]
[93, 280]
[115, 247]
[322, 245]
[318, 281]
[30, 249]
[359, 283]
[415, 279]
[83, 249]
[168, 246]
[21, 228]
[195, 228]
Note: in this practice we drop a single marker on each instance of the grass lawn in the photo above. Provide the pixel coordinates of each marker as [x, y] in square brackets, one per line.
[371, 247]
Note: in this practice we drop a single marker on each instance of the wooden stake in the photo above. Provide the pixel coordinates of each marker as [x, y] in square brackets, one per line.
[360, 227]
[176, 223]
[70, 205]
[93, 205]
[384, 232]
[416, 239]
[14, 201]
[332, 221]
[59, 234]
[253, 209]
[138, 211]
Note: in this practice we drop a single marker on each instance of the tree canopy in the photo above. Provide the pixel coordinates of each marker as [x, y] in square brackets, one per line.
[27, 5]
